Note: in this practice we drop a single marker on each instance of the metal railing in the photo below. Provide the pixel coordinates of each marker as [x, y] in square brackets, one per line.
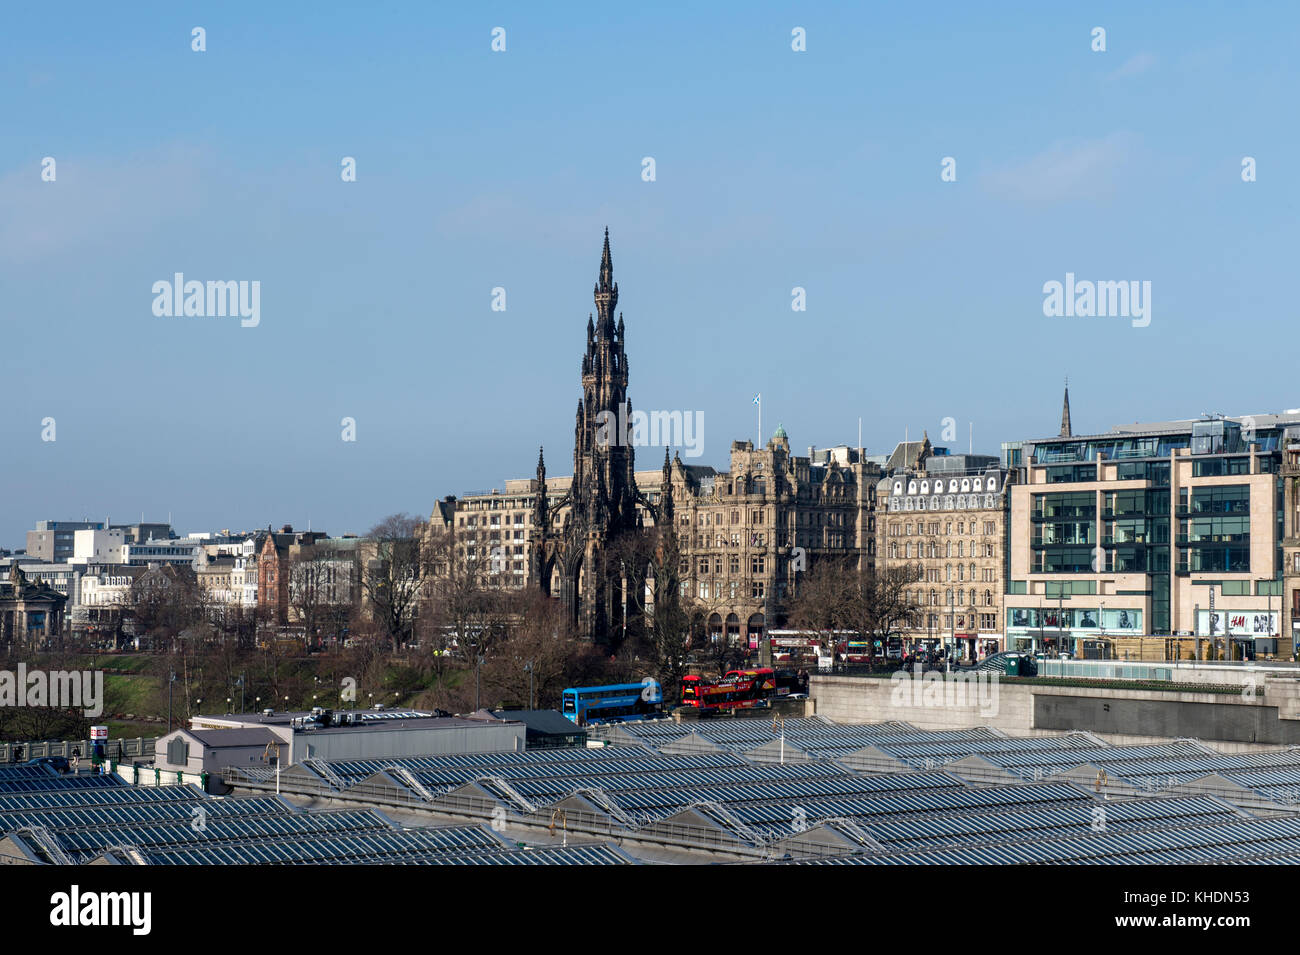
[1104, 670]
[514, 795]
[325, 771]
[607, 804]
[412, 781]
[116, 749]
[45, 840]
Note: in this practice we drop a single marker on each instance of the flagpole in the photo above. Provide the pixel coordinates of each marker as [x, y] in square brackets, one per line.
[760, 420]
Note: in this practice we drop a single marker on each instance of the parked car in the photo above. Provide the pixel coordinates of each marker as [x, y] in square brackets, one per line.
[58, 763]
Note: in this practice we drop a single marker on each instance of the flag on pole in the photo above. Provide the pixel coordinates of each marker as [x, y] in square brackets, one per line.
[758, 398]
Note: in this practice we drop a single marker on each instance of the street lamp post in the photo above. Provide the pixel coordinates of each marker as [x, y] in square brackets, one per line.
[1042, 629]
[1060, 620]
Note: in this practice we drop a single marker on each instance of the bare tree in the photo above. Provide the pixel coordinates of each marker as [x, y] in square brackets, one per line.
[166, 601]
[392, 578]
[323, 588]
[713, 649]
[823, 602]
[838, 595]
[654, 554]
[540, 656]
[396, 527]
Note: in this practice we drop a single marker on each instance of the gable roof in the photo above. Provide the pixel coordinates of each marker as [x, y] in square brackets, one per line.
[225, 739]
[545, 722]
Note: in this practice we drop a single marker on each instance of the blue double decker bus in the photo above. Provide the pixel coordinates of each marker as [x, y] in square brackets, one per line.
[619, 703]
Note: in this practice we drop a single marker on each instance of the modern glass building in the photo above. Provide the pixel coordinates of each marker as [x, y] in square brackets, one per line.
[1168, 529]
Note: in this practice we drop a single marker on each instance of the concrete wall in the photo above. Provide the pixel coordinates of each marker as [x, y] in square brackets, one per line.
[1219, 674]
[1268, 715]
[374, 743]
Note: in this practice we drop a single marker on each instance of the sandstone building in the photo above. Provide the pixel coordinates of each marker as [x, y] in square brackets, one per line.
[745, 534]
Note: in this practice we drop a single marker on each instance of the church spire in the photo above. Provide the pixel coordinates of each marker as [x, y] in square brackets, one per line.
[540, 502]
[606, 292]
[666, 493]
[1066, 430]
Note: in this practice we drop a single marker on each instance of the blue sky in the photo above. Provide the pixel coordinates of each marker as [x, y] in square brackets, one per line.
[477, 169]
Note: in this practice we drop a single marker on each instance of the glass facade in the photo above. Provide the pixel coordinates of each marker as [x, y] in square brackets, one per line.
[1215, 537]
[1070, 473]
[1157, 472]
[1082, 618]
[1217, 467]
[1135, 531]
[1138, 522]
[1064, 532]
